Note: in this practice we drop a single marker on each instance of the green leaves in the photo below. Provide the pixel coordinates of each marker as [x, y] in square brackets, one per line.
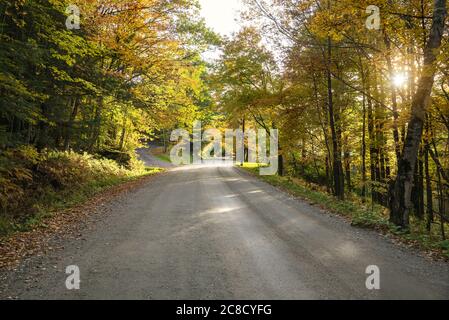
[129, 72]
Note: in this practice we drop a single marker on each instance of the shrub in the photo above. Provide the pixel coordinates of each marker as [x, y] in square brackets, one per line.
[16, 176]
[27, 177]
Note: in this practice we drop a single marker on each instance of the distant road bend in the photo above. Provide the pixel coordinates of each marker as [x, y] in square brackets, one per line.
[211, 232]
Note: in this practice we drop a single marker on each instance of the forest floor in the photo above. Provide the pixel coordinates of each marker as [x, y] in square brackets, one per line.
[211, 232]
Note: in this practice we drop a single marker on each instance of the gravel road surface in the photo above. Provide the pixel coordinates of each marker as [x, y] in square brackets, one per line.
[218, 233]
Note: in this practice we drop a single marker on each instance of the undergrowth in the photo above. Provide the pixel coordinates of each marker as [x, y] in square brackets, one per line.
[34, 185]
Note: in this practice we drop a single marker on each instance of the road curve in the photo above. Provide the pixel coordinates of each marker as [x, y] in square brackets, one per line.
[144, 154]
[218, 233]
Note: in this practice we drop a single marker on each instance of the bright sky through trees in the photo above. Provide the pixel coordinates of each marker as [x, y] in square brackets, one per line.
[221, 15]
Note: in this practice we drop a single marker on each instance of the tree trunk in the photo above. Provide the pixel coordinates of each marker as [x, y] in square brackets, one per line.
[69, 128]
[429, 195]
[321, 109]
[363, 77]
[347, 162]
[364, 150]
[245, 147]
[372, 148]
[442, 208]
[97, 125]
[394, 101]
[418, 188]
[42, 133]
[337, 165]
[281, 165]
[400, 192]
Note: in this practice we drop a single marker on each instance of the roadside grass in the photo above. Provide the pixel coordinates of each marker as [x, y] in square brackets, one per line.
[35, 186]
[360, 214]
[163, 157]
[160, 154]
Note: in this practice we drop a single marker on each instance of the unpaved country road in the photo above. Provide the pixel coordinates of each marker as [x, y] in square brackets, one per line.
[150, 160]
[218, 233]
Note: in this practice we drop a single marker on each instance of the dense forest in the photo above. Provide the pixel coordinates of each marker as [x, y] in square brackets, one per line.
[131, 68]
[362, 110]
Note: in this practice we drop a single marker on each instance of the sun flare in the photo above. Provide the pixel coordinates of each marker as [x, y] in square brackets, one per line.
[400, 79]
